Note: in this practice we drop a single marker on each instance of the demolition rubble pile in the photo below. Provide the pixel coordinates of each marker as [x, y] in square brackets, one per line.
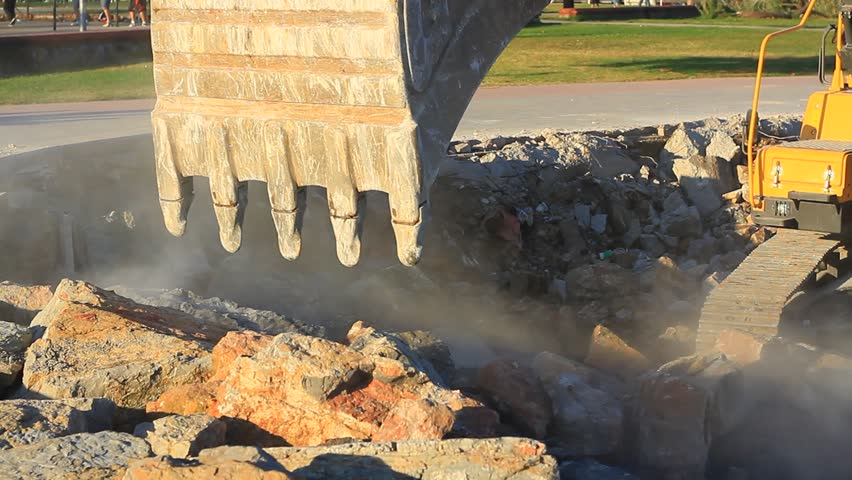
[609, 241]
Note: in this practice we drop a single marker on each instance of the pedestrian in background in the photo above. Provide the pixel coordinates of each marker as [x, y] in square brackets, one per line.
[9, 9]
[105, 7]
[140, 5]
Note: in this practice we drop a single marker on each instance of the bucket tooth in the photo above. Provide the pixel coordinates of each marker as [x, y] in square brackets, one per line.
[286, 198]
[301, 93]
[229, 195]
[288, 224]
[347, 233]
[343, 199]
[175, 190]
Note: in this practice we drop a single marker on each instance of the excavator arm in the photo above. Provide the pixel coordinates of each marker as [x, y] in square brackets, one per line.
[352, 97]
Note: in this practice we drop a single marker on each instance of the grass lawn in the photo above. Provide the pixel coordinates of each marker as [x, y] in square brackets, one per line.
[598, 52]
[573, 52]
[109, 83]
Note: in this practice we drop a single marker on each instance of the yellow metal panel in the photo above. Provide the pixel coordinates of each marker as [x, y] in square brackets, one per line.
[803, 170]
[828, 116]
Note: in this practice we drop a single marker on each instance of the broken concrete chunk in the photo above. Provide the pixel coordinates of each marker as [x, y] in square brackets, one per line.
[518, 395]
[90, 456]
[608, 352]
[683, 143]
[682, 407]
[183, 436]
[586, 421]
[722, 146]
[612, 162]
[704, 179]
[14, 340]
[599, 280]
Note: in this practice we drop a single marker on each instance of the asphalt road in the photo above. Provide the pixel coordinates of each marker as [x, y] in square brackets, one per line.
[502, 110]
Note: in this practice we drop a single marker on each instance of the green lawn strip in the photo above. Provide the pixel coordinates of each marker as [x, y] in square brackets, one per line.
[813, 22]
[568, 53]
[591, 52]
[108, 83]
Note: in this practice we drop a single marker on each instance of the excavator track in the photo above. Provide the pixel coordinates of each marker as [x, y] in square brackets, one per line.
[753, 296]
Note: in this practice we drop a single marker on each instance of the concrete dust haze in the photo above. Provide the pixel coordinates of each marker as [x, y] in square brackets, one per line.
[799, 412]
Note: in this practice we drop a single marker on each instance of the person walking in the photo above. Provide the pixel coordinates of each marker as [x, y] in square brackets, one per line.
[105, 7]
[9, 10]
[141, 6]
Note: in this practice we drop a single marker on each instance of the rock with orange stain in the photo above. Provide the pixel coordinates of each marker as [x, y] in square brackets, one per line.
[309, 391]
[306, 390]
[415, 420]
[234, 345]
[187, 399]
[98, 344]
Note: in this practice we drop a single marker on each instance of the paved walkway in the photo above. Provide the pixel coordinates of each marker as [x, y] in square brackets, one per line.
[29, 28]
[502, 110]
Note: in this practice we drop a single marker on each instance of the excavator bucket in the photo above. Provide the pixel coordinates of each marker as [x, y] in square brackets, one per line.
[350, 96]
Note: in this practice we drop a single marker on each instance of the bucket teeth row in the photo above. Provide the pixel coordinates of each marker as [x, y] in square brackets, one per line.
[300, 93]
[321, 155]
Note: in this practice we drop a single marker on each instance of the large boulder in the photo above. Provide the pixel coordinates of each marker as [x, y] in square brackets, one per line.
[308, 391]
[489, 459]
[167, 468]
[24, 422]
[722, 146]
[14, 340]
[20, 303]
[98, 344]
[681, 408]
[683, 143]
[610, 353]
[518, 395]
[87, 456]
[586, 420]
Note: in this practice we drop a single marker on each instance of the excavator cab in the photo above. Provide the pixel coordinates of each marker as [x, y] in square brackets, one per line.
[807, 184]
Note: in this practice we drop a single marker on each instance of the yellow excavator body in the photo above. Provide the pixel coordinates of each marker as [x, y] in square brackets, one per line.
[803, 187]
[806, 184]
